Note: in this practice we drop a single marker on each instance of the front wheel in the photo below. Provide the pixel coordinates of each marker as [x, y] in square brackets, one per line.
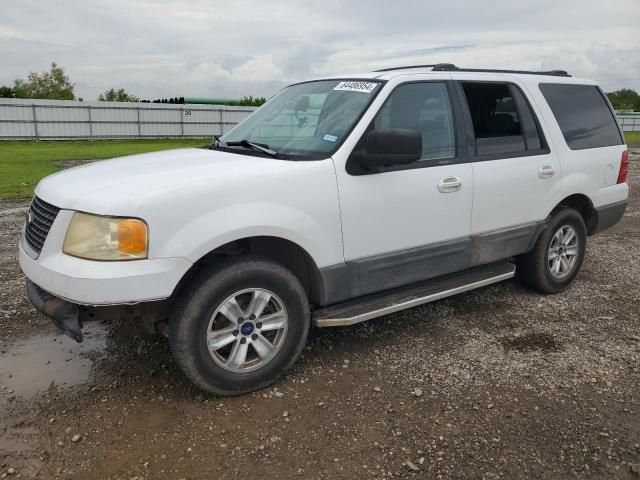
[238, 326]
[557, 255]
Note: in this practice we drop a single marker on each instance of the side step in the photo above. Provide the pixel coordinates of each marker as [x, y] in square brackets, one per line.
[376, 305]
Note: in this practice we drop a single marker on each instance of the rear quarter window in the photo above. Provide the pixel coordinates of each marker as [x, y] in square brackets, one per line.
[583, 114]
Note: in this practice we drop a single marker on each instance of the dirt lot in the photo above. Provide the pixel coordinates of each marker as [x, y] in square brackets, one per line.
[496, 383]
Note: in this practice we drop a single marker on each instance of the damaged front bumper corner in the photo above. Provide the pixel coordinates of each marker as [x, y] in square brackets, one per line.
[65, 315]
[69, 317]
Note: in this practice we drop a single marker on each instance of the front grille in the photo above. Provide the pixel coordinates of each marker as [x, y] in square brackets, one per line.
[39, 220]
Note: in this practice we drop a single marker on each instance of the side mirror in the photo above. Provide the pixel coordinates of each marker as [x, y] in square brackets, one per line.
[391, 146]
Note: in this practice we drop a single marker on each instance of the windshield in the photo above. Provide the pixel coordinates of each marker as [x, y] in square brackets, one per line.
[308, 120]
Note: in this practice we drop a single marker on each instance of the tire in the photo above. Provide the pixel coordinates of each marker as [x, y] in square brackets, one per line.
[245, 282]
[539, 269]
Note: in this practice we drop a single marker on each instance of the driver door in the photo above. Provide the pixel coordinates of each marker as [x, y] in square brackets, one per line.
[408, 223]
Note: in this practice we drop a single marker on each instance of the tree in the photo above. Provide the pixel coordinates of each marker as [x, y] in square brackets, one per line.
[625, 99]
[120, 95]
[6, 92]
[54, 84]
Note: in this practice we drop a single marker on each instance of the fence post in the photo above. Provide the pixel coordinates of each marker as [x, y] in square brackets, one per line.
[139, 130]
[90, 123]
[221, 123]
[182, 121]
[35, 121]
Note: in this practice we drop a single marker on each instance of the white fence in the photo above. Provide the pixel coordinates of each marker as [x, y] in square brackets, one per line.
[26, 119]
[630, 122]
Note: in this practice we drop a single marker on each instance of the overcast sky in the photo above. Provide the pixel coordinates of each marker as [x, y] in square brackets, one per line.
[162, 48]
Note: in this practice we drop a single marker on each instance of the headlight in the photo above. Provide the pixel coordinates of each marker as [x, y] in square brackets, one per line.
[106, 238]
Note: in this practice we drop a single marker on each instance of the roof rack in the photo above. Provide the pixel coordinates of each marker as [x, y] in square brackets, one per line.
[449, 67]
[433, 66]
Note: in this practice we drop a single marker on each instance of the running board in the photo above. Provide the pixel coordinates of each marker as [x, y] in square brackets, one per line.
[372, 306]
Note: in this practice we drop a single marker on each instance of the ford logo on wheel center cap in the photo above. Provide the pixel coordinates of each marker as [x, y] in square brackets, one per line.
[247, 328]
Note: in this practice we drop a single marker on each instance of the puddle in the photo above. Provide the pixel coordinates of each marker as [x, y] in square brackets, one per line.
[29, 365]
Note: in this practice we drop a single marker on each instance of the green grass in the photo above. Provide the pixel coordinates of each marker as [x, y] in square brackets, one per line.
[632, 139]
[24, 163]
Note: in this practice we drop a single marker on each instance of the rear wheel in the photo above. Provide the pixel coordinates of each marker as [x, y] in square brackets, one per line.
[557, 255]
[239, 326]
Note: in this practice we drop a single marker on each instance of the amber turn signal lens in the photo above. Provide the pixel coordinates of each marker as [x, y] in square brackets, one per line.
[132, 237]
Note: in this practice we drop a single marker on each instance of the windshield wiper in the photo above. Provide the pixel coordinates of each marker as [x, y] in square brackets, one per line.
[260, 147]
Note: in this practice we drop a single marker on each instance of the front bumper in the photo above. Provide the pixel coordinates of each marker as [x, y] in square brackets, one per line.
[89, 282]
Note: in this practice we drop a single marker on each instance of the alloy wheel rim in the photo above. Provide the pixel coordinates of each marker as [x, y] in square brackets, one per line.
[247, 330]
[563, 252]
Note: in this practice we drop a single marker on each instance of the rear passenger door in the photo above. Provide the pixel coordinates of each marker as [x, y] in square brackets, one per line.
[515, 173]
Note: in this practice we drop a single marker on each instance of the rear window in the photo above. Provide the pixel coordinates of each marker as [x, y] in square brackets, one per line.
[584, 116]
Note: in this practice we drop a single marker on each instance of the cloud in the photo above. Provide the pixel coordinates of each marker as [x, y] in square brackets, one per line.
[158, 48]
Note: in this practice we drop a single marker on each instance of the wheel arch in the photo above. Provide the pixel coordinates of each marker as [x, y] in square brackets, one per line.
[584, 206]
[286, 252]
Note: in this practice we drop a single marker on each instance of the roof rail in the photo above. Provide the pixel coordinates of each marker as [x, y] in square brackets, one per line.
[449, 67]
[434, 66]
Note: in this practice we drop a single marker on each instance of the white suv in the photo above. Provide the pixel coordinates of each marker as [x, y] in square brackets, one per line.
[340, 200]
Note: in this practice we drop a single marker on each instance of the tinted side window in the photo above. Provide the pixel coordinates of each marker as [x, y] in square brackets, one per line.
[583, 115]
[424, 107]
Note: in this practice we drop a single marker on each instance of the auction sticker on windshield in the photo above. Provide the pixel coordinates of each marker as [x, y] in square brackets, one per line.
[364, 87]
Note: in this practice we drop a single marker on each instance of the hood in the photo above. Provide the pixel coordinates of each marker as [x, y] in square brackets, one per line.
[121, 186]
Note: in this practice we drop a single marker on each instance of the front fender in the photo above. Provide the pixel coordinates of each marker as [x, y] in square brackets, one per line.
[234, 222]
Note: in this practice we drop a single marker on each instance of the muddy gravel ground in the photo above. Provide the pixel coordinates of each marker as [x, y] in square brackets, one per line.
[496, 383]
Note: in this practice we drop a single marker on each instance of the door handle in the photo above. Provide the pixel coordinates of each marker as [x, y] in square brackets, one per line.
[449, 184]
[546, 171]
